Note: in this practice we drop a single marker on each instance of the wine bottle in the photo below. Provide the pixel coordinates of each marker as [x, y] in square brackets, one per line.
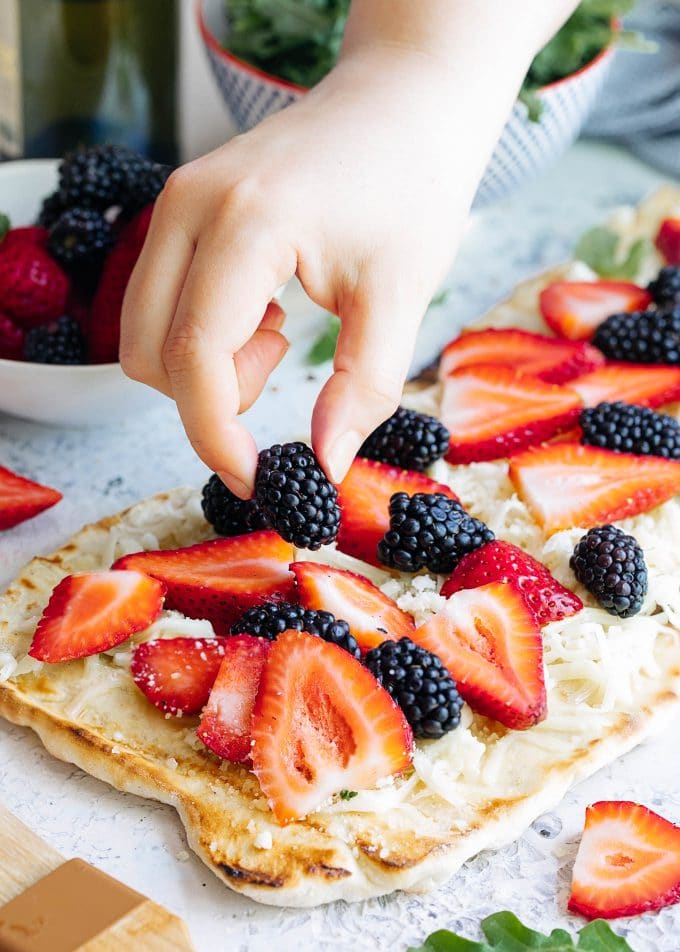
[88, 71]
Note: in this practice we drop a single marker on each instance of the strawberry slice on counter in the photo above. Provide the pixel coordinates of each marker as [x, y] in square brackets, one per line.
[668, 240]
[372, 616]
[573, 309]
[628, 862]
[93, 612]
[566, 485]
[21, 498]
[364, 498]
[322, 724]
[176, 674]
[491, 644]
[648, 385]
[494, 411]
[500, 561]
[549, 359]
[220, 580]
[227, 719]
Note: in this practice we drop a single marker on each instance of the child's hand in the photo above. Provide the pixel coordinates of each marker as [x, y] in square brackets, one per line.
[361, 189]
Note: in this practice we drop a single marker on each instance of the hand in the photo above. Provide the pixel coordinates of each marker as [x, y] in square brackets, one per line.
[361, 189]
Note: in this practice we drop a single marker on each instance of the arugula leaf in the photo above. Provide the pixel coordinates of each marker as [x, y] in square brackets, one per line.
[324, 346]
[348, 794]
[599, 249]
[505, 933]
[300, 40]
[439, 299]
[5, 225]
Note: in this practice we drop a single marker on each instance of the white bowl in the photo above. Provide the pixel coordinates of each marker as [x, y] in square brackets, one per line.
[524, 148]
[49, 393]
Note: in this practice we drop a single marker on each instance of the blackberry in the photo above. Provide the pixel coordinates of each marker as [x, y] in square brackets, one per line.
[227, 514]
[644, 337]
[419, 683]
[79, 240]
[611, 565]
[146, 184]
[295, 495]
[429, 529]
[60, 342]
[625, 428]
[408, 439]
[273, 618]
[51, 209]
[97, 177]
[665, 289]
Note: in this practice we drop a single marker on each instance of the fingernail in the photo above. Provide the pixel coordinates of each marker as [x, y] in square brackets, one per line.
[274, 319]
[237, 486]
[342, 453]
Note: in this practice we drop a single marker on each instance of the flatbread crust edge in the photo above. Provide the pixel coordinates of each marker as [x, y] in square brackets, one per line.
[306, 864]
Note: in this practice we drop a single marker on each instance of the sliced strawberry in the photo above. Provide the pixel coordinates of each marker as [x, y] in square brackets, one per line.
[566, 485]
[504, 562]
[668, 240]
[364, 498]
[648, 385]
[628, 862]
[108, 299]
[227, 720]
[94, 612]
[552, 360]
[176, 674]
[220, 580]
[494, 411]
[489, 641]
[573, 309]
[371, 616]
[21, 499]
[322, 724]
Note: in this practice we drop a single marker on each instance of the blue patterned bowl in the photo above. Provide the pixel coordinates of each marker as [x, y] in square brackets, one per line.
[524, 148]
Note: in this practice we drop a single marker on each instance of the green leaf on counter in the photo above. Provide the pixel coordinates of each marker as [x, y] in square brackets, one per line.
[505, 933]
[324, 346]
[599, 249]
[5, 225]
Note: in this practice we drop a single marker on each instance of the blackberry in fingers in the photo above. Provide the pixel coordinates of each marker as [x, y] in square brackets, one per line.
[429, 530]
[60, 342]
[626, 428]
[273, 618]
[611, 565]
[665, 288]
[295, 495]
[227, 513]
[408, 439]
[79, 240]
[643, 337]
[419, 683]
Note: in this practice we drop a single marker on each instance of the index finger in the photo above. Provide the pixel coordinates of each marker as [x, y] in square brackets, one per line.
[225, 294]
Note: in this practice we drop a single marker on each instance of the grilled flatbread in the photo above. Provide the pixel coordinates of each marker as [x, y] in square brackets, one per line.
[610, 684]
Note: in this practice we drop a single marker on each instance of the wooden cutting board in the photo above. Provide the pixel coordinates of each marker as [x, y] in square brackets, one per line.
[49, 904]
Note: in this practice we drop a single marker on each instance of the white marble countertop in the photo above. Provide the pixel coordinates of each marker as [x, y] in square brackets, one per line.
[103, 470]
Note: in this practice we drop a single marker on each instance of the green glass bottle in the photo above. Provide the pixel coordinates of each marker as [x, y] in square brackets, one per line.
[88, 71]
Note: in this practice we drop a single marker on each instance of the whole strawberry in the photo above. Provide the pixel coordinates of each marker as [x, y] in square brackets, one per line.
[108, 298]
[11, 338]
[27, 234]
[33, 288]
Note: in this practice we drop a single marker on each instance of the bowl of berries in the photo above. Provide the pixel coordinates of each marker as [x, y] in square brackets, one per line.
[71, 231]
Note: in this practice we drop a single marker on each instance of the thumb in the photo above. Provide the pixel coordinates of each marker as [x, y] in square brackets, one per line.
[372, 359]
